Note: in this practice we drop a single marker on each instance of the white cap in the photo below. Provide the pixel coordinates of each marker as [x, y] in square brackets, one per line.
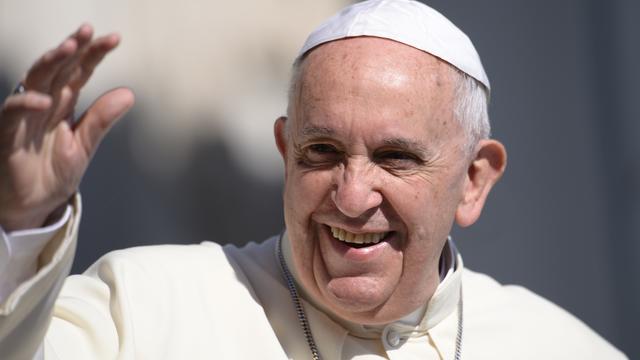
[406, 21]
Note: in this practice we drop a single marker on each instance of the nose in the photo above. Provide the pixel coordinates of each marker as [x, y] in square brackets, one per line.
[355, 190]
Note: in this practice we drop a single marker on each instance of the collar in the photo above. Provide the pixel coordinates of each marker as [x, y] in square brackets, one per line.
[442, 304]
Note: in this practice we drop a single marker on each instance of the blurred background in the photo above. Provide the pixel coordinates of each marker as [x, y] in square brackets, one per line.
[195, 159]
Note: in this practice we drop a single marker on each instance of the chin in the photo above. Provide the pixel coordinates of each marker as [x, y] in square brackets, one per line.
[357, 299]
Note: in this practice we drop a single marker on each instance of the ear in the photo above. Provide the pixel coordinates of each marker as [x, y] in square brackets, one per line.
[483, 172]
[280, 134]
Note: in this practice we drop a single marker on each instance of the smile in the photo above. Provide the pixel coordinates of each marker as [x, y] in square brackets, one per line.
[351, 238]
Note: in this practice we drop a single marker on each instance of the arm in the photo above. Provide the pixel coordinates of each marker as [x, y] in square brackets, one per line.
[43, 156]
[26, 312]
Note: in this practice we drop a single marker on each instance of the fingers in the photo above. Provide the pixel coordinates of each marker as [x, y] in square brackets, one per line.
[82, 71]
[42, 73]
[91, 58]
[69, 66]
[100, 116]
[63, 71]
[71, 63]
[18, 105]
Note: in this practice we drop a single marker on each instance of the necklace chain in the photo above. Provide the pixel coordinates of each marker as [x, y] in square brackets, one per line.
[302, 318]
[458, 354]
[304, 323]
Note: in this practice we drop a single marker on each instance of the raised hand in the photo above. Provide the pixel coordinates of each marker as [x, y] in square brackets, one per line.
[43, 151]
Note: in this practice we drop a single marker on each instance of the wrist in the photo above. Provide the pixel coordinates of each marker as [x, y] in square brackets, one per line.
[31, 219]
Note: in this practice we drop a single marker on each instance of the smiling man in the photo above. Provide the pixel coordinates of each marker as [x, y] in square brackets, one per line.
[374, 147]
[385, 145]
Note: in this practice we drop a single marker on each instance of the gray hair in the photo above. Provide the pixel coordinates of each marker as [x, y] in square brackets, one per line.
[471, 107]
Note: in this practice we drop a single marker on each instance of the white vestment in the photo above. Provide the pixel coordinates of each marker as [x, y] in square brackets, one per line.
[207, 301]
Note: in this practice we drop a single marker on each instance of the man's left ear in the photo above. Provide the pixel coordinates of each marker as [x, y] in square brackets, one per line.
[483, 172]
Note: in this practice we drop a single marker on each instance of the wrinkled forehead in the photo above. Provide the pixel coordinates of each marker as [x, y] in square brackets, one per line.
[372, 82]
[366, 56]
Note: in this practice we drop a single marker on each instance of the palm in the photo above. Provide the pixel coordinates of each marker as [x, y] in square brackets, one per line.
[42, 160]
[43, 153]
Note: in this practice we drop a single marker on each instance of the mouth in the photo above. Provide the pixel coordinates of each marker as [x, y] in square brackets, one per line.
[357, 240]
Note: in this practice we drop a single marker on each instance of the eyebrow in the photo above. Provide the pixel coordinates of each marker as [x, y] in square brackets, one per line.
[317, 131]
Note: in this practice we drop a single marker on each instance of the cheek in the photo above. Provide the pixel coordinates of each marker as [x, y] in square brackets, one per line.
[428, 216]
[307, 190]
[304, 194]
[427, 210]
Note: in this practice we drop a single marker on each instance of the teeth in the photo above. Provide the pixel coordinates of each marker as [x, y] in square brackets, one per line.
[369, 238]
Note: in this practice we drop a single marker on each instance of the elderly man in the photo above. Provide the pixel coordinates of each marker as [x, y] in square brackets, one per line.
[385, 145]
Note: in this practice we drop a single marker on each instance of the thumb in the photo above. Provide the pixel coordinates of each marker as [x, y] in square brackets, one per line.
[100, 116]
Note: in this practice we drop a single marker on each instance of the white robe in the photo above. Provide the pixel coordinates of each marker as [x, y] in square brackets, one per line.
[211, 302]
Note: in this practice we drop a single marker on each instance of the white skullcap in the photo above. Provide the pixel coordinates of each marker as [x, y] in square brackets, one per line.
[406, 21]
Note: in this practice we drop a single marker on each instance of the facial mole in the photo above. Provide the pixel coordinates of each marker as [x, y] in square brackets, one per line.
[437, 79]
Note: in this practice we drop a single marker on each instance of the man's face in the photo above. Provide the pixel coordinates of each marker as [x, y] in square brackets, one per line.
[372, 154]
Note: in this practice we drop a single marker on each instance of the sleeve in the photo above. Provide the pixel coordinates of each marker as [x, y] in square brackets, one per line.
[26, 311]
[19, 251]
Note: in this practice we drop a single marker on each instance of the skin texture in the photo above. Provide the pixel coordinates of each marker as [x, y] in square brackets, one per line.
[43, 151]
[371, 145]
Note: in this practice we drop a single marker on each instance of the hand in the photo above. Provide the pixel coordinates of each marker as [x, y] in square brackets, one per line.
[43, 153]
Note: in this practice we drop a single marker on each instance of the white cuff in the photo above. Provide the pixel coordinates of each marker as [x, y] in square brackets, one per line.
[19, 251]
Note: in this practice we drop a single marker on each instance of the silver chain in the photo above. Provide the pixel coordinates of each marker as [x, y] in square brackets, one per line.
[302, 318]
[458, 354]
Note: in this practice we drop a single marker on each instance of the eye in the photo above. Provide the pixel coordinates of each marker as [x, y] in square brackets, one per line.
[321, 154]
[397, 155]
[322, 149]
[399, 160]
